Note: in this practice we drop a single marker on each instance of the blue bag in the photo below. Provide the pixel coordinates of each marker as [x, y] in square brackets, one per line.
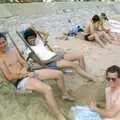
[74, 29]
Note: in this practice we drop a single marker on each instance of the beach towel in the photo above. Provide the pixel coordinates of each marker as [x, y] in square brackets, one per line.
[84, 113]
[74, 29]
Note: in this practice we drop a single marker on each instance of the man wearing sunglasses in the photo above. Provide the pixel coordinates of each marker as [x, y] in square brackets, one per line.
[112, 93]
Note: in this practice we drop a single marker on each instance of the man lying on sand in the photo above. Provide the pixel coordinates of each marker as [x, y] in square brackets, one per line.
[56, 59]
[112, 92]
[92, 32]
[14, 69]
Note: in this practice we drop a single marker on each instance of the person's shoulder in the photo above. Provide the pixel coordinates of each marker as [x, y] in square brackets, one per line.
[14, 51]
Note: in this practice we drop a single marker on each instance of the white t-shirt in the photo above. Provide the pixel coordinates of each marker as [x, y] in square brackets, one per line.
[41, 51]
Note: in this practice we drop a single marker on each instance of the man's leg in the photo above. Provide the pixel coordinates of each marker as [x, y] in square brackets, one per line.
[76, 56]
[47, 74]
[105, 36]
[96, 37]
[36, 85]
[69, 64]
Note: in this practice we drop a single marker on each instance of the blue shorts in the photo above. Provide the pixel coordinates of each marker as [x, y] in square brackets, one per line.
[53, 64]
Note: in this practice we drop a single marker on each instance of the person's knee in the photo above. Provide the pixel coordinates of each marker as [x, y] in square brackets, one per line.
[74, 66]
[103, 33]
[59, 74]
[48, 90]
[96, 35]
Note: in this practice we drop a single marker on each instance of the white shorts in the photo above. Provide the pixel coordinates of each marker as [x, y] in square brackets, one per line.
[22, 84]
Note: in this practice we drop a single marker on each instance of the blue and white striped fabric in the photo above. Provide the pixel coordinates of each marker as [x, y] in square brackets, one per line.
[84, 113]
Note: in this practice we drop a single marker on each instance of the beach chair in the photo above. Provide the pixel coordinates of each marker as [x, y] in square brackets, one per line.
[34, 57]
[33, 60]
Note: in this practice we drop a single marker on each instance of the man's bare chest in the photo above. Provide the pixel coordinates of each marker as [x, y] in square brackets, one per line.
[11, 60]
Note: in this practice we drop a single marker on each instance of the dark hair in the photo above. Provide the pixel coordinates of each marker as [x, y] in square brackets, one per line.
[104, 15]
[95, 18]
[3, 36]
[113, 69]
[29, 32]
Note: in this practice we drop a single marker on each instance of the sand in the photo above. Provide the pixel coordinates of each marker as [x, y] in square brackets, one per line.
[30, 106]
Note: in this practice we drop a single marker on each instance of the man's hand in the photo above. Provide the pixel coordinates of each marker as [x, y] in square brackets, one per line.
[92, 104]
[31, 74]
[23, 72]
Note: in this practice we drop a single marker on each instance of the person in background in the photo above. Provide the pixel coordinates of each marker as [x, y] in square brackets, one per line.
[104, 25]
[56, 60]
[92, 32]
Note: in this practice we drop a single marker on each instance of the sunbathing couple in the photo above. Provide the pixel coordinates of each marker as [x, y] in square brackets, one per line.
[96, 30]
[14, 69]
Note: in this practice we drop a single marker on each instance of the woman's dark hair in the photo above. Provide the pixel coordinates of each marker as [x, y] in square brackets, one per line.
[105, 16]
[28, 33]
[3, 36]
[95, 18]
[113, 69]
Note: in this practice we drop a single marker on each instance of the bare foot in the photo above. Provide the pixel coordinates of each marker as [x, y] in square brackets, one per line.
[66, 96]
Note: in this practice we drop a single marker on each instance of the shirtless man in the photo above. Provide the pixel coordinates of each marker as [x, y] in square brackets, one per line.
[53, 59]
[112, 109]
[92, 32]
[14, 69]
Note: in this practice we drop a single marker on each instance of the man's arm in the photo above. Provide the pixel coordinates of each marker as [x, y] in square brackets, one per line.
[110, 113]
[20, 59]
[44, 33]
[102, 26]
[113, 111]
[91, 28]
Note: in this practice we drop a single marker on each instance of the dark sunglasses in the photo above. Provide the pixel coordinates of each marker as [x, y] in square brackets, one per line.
[110, 78]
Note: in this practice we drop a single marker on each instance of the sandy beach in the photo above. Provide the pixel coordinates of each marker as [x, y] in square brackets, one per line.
[30, 106]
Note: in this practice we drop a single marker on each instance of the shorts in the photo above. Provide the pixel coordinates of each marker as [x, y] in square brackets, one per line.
[53, 64]
[86, 37]
[21, 83]
[72, 34]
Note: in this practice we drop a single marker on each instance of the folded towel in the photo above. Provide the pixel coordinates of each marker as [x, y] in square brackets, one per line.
[84, 113]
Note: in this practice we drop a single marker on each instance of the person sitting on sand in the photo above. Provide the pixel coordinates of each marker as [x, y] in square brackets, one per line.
[56, 59]
[105, 27]
[112, 93]
[92, 32]
[14, 69]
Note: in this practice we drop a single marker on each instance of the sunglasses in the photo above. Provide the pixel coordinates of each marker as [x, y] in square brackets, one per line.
[110, 78]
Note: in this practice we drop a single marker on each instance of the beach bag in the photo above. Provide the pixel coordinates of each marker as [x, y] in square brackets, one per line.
[74, 29]
[84, 113]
